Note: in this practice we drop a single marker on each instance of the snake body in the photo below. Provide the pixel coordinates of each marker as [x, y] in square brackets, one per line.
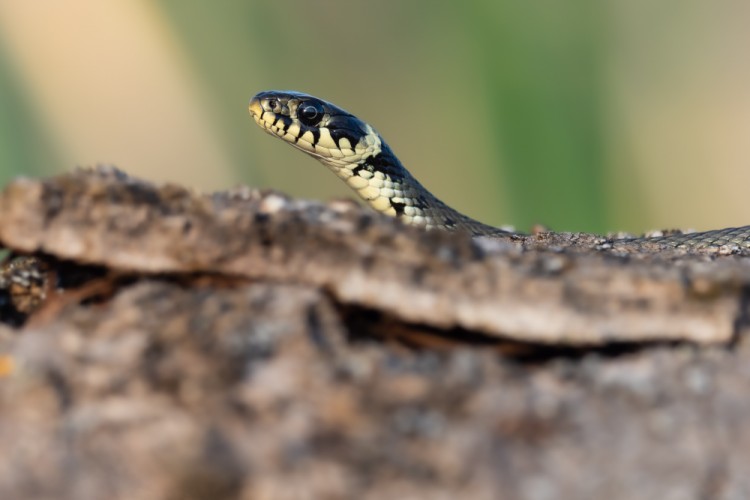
[357, 154]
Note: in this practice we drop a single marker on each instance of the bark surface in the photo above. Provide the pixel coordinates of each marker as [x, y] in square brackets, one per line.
[163, 343]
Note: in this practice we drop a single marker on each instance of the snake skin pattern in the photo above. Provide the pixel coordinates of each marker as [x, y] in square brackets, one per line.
[356, 153]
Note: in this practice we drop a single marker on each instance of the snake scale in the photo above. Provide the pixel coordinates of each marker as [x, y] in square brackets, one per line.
[358, 155]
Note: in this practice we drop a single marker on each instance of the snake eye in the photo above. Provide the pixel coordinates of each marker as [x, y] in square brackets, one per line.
[271, 103]
[310, 114]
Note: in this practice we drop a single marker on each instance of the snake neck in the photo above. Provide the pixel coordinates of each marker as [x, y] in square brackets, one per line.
[387, 186]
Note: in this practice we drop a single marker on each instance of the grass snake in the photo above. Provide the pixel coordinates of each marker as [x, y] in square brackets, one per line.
[358, 155]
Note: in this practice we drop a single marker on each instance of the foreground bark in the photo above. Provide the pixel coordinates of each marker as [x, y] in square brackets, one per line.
[168, 344]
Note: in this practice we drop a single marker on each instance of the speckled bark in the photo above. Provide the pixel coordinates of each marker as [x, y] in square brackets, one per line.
[244, 345]
[523, 288]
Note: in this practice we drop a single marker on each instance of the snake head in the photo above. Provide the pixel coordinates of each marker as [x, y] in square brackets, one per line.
[320, 129]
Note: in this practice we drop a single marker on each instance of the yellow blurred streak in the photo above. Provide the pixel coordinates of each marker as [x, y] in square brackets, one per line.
[7, 365]
[111, 83]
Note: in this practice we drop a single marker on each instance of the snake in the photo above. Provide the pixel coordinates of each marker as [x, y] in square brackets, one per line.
[354, 151]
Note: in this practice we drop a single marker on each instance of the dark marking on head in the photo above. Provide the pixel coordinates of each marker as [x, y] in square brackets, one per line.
[449, 222]
[316, 135]
[356, 170]
[340, 133]
[286, 122]
[385, 162]
[398, 207]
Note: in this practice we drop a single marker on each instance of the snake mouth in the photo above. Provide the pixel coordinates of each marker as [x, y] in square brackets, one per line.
[255, 107]
[277, 124]
[265, 118]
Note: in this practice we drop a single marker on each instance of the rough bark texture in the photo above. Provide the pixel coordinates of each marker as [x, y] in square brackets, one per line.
[245, 345]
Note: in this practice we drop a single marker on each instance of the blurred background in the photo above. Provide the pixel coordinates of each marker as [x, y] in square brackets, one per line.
[592, 115]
